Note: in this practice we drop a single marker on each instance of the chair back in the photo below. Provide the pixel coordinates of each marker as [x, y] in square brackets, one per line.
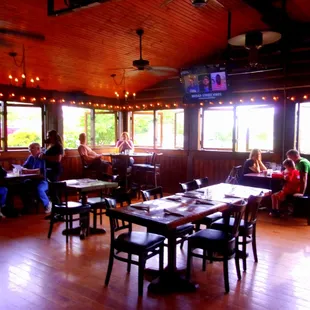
[155, 158]
[115, 223]
[235, 175]
[58, 193]
[251, 210]
[188, 186]
[156, 193]
[120, 164]
[202, 182]
[237, 212]
[149, 159]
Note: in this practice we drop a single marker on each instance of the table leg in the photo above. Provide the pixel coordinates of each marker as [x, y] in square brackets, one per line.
[170, 280]
[94, 229]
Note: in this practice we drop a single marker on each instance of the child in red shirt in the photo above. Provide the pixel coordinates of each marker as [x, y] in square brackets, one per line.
[291, 186]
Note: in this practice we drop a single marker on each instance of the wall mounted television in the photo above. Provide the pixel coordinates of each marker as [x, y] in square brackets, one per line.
[206, 82]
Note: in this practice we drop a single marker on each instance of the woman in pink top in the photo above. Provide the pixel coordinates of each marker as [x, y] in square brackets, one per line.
[124, 143]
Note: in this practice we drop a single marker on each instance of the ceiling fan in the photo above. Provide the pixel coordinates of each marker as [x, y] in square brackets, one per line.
[19, 33]
[144, 65]
[195, 3]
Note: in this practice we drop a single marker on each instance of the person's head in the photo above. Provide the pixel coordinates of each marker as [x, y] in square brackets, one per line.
[82, 138]
[206, 81]
[125, 136]
[218, 79]
[34, 149]
[256, 154]
[53, 137]
[293, 155]
[289, 164]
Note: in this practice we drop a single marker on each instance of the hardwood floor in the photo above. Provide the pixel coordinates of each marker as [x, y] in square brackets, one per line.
[37, 273]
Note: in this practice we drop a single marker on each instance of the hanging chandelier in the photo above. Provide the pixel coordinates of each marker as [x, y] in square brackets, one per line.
[123, 94]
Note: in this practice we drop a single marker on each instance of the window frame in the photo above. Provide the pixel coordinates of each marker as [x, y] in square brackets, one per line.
[298, 106]
[158, 120]
[234, 147]
[4, 112]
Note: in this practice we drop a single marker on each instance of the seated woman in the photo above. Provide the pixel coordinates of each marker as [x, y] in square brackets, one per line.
[91, 158]
[291, 186]
[254, 163]
[124, 144]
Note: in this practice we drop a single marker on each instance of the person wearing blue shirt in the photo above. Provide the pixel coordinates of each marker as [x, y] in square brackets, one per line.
[35, 164]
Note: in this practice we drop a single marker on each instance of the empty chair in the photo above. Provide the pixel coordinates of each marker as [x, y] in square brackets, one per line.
[120, 166]
[247, 229]
[144, 245]
[202, 182]
[209, 219]
[235, 175]
[61, 206]
[188, 186]
[217, 245]
[182, 231]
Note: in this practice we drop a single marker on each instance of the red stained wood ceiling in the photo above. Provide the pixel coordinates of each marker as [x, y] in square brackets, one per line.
[80, 47]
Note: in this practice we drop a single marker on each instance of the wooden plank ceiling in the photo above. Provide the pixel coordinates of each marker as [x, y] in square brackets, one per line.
[80, 47]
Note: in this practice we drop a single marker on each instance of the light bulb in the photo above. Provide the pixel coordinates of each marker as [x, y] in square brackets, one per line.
[23, 76]
[37, 78]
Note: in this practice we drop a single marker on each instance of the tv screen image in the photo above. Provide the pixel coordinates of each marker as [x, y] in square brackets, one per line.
[204, 83]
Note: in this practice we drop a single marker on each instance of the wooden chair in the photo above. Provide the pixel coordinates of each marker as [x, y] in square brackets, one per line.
[61, 206]
[217, 245]
[235, 175]
[144, 245]
[120, 166]
[188, 186]
[183, 231]
[247, 228]
[202, 182]
[209, 219]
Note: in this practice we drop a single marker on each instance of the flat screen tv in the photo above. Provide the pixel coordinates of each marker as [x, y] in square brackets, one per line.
[207, 82]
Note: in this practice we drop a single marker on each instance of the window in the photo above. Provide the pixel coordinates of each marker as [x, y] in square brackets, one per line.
[169, 128]
[24, 124]
[105, 128]
[303, 128]
[143, 128]
[254, 128]
[253, 125]
[75, 121]
[217, 129]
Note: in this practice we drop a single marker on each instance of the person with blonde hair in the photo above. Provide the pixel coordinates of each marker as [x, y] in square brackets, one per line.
[124, 143]
[254, 163]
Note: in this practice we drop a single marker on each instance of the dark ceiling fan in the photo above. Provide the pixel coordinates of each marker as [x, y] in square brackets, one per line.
[30, 35]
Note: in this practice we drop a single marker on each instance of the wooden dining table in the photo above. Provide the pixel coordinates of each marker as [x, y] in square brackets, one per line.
[262, 179]
[83, 187]
[166, 214]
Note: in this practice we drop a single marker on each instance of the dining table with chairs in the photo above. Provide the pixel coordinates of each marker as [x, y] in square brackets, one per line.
[165, 214]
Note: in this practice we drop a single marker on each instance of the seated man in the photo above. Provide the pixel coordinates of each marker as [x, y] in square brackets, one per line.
[303, 166]
[34, 164]
[91, 158]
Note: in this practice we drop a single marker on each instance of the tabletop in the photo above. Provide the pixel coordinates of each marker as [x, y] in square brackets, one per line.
[172, 211]
[265, 176]
[87, 185]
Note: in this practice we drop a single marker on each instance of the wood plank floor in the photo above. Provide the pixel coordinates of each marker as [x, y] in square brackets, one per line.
[37, 273]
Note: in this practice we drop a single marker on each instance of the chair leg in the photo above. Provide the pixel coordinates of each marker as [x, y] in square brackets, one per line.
[71, 221]
[244, 252]
[51, 225]
[237, 263]
[226, 277]
[129, 262]
[182, 242]
[204, 260]
[161, 259]
[254, 244]
[110, 266]
[189, 262]
[140, 275]
[67, 232]
[197, 227]
[101, 216]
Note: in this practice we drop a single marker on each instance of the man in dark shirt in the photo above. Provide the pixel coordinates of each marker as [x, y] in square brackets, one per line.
[36, 165]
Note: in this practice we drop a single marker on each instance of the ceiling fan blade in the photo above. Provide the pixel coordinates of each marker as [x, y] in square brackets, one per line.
[163, 69]
[165, 3]
[21, 33]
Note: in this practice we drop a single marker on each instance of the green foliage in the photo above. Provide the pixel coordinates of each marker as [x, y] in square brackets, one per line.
[105, 129]
[21, 138]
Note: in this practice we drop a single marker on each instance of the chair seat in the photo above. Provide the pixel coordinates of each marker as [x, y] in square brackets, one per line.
[213, 239]
[186, 228]
[219, 225]
[143, 166]
[209, 219]
[73, 207]
[96, 201]
[137, 242]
